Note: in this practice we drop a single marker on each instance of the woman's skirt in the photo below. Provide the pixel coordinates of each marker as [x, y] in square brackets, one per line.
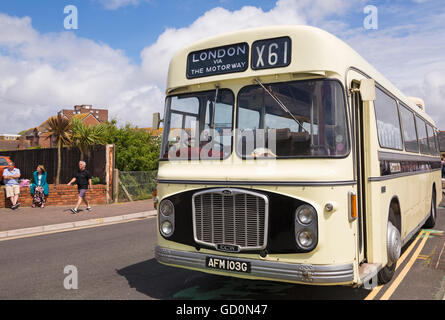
[38, 198]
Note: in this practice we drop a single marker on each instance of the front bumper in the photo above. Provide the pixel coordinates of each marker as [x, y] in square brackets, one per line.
[304, 273]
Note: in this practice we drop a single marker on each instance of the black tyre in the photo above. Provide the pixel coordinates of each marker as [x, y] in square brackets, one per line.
[386, 274]
[431, 222]
[393, 248]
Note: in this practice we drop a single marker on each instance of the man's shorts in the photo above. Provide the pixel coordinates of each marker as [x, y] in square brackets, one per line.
[82, 193]
[12, 190]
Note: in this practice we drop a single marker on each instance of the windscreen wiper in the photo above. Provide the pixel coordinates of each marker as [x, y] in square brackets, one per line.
[281, 104]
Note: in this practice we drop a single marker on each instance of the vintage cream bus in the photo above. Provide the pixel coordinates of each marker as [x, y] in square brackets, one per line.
[287, 157]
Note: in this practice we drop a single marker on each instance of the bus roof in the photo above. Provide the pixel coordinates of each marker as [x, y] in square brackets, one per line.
[313, 51]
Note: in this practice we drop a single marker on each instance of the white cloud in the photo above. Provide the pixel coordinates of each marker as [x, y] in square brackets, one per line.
[208, 25]
[410, 55]
[43, 73]
[409, 52]
[219, 20]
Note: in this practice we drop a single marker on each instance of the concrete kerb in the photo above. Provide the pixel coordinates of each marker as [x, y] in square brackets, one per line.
[76, 224]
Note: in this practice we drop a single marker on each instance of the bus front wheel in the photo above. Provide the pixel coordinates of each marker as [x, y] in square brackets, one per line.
[393, 249]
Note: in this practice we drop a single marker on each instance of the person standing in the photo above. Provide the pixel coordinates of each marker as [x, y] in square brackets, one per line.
[39, 189]
[83, 181]
[11, 176]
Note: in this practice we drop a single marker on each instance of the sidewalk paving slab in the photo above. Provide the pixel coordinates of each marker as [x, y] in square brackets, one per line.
[50, 218]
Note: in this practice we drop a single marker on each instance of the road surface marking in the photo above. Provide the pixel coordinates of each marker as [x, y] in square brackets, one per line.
[440, 255]
[405, 270]
[376, 290]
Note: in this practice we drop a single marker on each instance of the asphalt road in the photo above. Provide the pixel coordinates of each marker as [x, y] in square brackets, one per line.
[117, 262]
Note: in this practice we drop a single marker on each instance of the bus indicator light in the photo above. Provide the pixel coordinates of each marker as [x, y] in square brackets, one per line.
[353, 206]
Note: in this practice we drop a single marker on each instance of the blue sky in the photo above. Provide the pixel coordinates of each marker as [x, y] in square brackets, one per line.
[118, 58]
[134, 26]
[130, 27]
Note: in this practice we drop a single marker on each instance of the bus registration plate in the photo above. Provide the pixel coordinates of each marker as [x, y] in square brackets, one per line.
[228, 264]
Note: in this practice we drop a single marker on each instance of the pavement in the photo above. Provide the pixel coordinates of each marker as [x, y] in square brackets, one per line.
[31, 221]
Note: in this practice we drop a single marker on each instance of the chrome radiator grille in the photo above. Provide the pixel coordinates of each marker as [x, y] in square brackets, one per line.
[232, 217]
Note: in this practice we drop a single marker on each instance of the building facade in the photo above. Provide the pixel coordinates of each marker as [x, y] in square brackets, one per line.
[9, 137]
[100, 114]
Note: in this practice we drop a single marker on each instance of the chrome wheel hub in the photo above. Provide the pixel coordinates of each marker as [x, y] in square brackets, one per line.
[393, 243]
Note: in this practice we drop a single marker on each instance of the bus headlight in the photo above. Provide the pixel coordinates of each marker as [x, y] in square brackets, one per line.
[306, 214]
[306, 228]
[167, 208]
[166, 218]
[306, 239]
[166, 228]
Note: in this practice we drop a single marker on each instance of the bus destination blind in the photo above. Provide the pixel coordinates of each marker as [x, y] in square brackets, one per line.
[266, 54]
[220, 60]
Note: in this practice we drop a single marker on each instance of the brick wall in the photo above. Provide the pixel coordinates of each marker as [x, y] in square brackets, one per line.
[61, 195]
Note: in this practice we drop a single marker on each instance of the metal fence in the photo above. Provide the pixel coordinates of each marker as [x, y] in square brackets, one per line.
[136, 185]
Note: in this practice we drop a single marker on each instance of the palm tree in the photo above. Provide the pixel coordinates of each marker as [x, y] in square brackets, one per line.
[85, 136]
[60, 129]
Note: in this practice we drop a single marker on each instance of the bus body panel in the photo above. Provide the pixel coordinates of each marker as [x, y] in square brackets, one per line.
[315, 54]
[329, 223]
[285, 171]
[330, 239]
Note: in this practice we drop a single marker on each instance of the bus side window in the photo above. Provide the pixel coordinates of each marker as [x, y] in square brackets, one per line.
[409, 130]
[436, 134]
[431, 140]
[421, 133]
[388, 124]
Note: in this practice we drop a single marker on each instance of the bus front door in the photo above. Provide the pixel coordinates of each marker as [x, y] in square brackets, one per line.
[359, 131]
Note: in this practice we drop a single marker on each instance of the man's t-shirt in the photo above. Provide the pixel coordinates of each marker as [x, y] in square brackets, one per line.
[7, 173]
[82, 178]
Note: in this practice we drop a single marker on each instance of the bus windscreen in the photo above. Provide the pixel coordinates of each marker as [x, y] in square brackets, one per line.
[292, 119]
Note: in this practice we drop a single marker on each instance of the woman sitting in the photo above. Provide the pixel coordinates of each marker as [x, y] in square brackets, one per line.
[39, 189]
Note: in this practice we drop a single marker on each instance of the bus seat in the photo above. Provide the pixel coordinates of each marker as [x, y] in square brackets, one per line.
[300, 143]
[300, 136]
[281, 134]
[282, 140]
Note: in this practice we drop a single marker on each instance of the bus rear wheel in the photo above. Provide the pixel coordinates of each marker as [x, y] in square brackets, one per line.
[393, 249]
[431, 222]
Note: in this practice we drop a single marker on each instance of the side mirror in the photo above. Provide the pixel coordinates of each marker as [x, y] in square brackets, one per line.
[367, 89]
[156, 121]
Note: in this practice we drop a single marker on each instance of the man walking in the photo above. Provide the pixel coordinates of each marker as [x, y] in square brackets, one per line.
[11, 176]
[83, 180]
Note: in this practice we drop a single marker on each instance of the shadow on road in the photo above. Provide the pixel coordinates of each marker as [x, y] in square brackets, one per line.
[162, 282]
